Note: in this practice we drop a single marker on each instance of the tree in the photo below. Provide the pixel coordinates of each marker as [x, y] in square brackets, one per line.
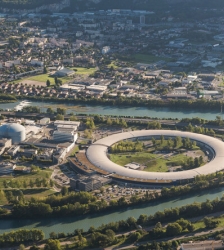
[173, 229]
[21, 247]
[52, 245]
[48, 83]
[210, 222]
[56, 80]
[53, 235]
[109, 121]
[64, 191]
[59, 117]
[61, 111]
[90, 123]
[50, 110]
[45, 70]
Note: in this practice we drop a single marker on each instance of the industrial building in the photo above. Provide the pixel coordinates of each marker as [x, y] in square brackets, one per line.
[203, 245]
[5, 143]
[13, 150]
[45, 155]
[88, 183]
[72, 87]
[6, 168]
[13, 131]
[70, 123]
[65, 136]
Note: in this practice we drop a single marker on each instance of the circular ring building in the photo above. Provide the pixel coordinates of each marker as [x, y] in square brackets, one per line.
[97, 155]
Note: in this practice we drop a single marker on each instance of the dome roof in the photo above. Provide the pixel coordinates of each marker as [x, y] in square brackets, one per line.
[14, 131]
[11, 128]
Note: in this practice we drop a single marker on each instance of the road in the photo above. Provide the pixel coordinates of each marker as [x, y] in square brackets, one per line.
[204, 232]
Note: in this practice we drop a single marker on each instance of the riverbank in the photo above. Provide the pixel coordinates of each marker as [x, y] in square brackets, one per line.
[125, 111]
[68, 224]
[199, 104]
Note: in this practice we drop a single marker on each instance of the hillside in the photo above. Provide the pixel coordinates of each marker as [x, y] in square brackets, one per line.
[119, 4]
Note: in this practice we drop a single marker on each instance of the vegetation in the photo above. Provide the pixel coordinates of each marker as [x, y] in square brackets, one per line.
[127, 146]
[22, 235]
[84, 71]
[43, 78]
[122, 154]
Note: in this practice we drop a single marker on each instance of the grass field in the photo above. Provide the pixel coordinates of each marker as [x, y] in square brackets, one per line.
[28, 192]
[144, 58]
[199, 225]
[152, 161]
[26, 177]
[42, 79]
[84, 71]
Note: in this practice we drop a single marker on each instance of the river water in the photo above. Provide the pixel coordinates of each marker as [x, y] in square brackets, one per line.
[121, 111]
[68, 225]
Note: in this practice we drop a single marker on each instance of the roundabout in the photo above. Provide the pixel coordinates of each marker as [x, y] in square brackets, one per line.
[97, 155]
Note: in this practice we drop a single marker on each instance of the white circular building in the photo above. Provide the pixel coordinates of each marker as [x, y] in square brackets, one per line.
[97, 155]
[14, 131]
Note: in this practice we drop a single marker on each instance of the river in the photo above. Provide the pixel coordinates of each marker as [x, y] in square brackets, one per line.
[68, 225]
[121, 111]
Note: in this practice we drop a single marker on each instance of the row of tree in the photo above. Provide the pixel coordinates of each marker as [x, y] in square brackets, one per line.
[22, 235]
[127, 146]
[83, 202]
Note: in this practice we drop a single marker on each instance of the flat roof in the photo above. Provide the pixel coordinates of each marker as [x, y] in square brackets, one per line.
[97, 155]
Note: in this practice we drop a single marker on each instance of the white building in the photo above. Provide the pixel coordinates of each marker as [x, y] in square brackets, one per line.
[45, 121]
[36, 62]
[74, 123]
[61, 136]
[96, 88]
[9, 64]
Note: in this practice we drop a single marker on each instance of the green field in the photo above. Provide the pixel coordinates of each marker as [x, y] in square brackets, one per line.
[26, 177]
[144, 58]
[37, 192]
[43, 78]
[153, 162]
[84, 71]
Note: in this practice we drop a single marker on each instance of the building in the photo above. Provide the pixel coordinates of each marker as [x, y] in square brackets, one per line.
[71, 123]
[97, 88]
[45, 155]
[5, 143]
[37, 63]
[28, 152]
[133, 165]
[6, 168]
[88, 183]
[65, 136]
[202, 245]
[13, 150]
[64, 72]
[45, 121]
[13, 131]
[72, 87]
